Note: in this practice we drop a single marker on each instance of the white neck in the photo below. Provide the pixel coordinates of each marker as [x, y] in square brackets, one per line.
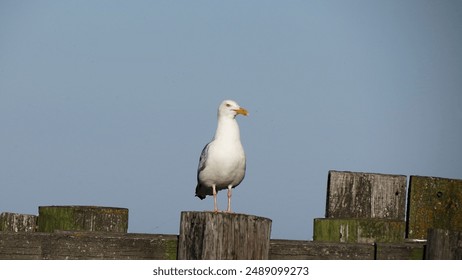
[227, 128]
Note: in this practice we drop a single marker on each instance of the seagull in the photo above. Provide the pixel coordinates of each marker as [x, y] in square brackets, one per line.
[222, 161]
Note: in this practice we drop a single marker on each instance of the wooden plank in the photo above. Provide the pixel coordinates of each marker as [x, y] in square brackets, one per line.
[359, 230]
[444, 244]
[311, 250]
[223, 236]
[366, 195]
[83, 218]
[433, 203]
[400, 251]
[87, 246]
[20, 246]
[18, 222]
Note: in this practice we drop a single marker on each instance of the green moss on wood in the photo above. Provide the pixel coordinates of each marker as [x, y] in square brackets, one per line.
[434, 203]
[82, 218]
[399, 251]
[417, 254]
[171, 249]
[52, 218]
[358, 230]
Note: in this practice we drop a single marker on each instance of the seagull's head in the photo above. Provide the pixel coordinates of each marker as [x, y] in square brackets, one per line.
[231, 109]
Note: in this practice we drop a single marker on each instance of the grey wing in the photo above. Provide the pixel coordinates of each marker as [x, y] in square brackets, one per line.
[202, 190]
[203, 159]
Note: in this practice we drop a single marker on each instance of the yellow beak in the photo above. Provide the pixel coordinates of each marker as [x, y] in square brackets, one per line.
[242, 111]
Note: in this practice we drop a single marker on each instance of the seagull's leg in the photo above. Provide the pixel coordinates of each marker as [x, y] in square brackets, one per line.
[230, 190]
[214, 192]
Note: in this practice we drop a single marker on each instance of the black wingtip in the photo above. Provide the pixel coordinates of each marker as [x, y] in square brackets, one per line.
[201, 196]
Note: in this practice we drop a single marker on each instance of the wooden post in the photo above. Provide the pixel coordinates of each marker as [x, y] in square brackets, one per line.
[366, 195]
[223, 236]
[363, 208]
[18, 222]
[433, 203]
[443, 244]
[82, 218]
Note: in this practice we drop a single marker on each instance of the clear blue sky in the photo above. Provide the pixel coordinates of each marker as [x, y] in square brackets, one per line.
[110, 103]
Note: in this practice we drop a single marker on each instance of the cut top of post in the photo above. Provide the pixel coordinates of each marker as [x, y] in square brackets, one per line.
[366, 195]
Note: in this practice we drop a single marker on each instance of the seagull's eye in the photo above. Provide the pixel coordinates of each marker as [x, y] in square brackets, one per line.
[228, 105]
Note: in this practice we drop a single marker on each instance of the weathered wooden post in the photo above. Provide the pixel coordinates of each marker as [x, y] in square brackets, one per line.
[82, 218]
[366, 195]
[223, 236]
[443, 244]
[363, 208]
[433, 203]
[14, 222]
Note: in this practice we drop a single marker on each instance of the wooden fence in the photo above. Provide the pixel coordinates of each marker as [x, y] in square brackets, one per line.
[366, 218]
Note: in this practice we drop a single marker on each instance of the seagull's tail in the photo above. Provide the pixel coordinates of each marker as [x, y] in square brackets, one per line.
[201, 191]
